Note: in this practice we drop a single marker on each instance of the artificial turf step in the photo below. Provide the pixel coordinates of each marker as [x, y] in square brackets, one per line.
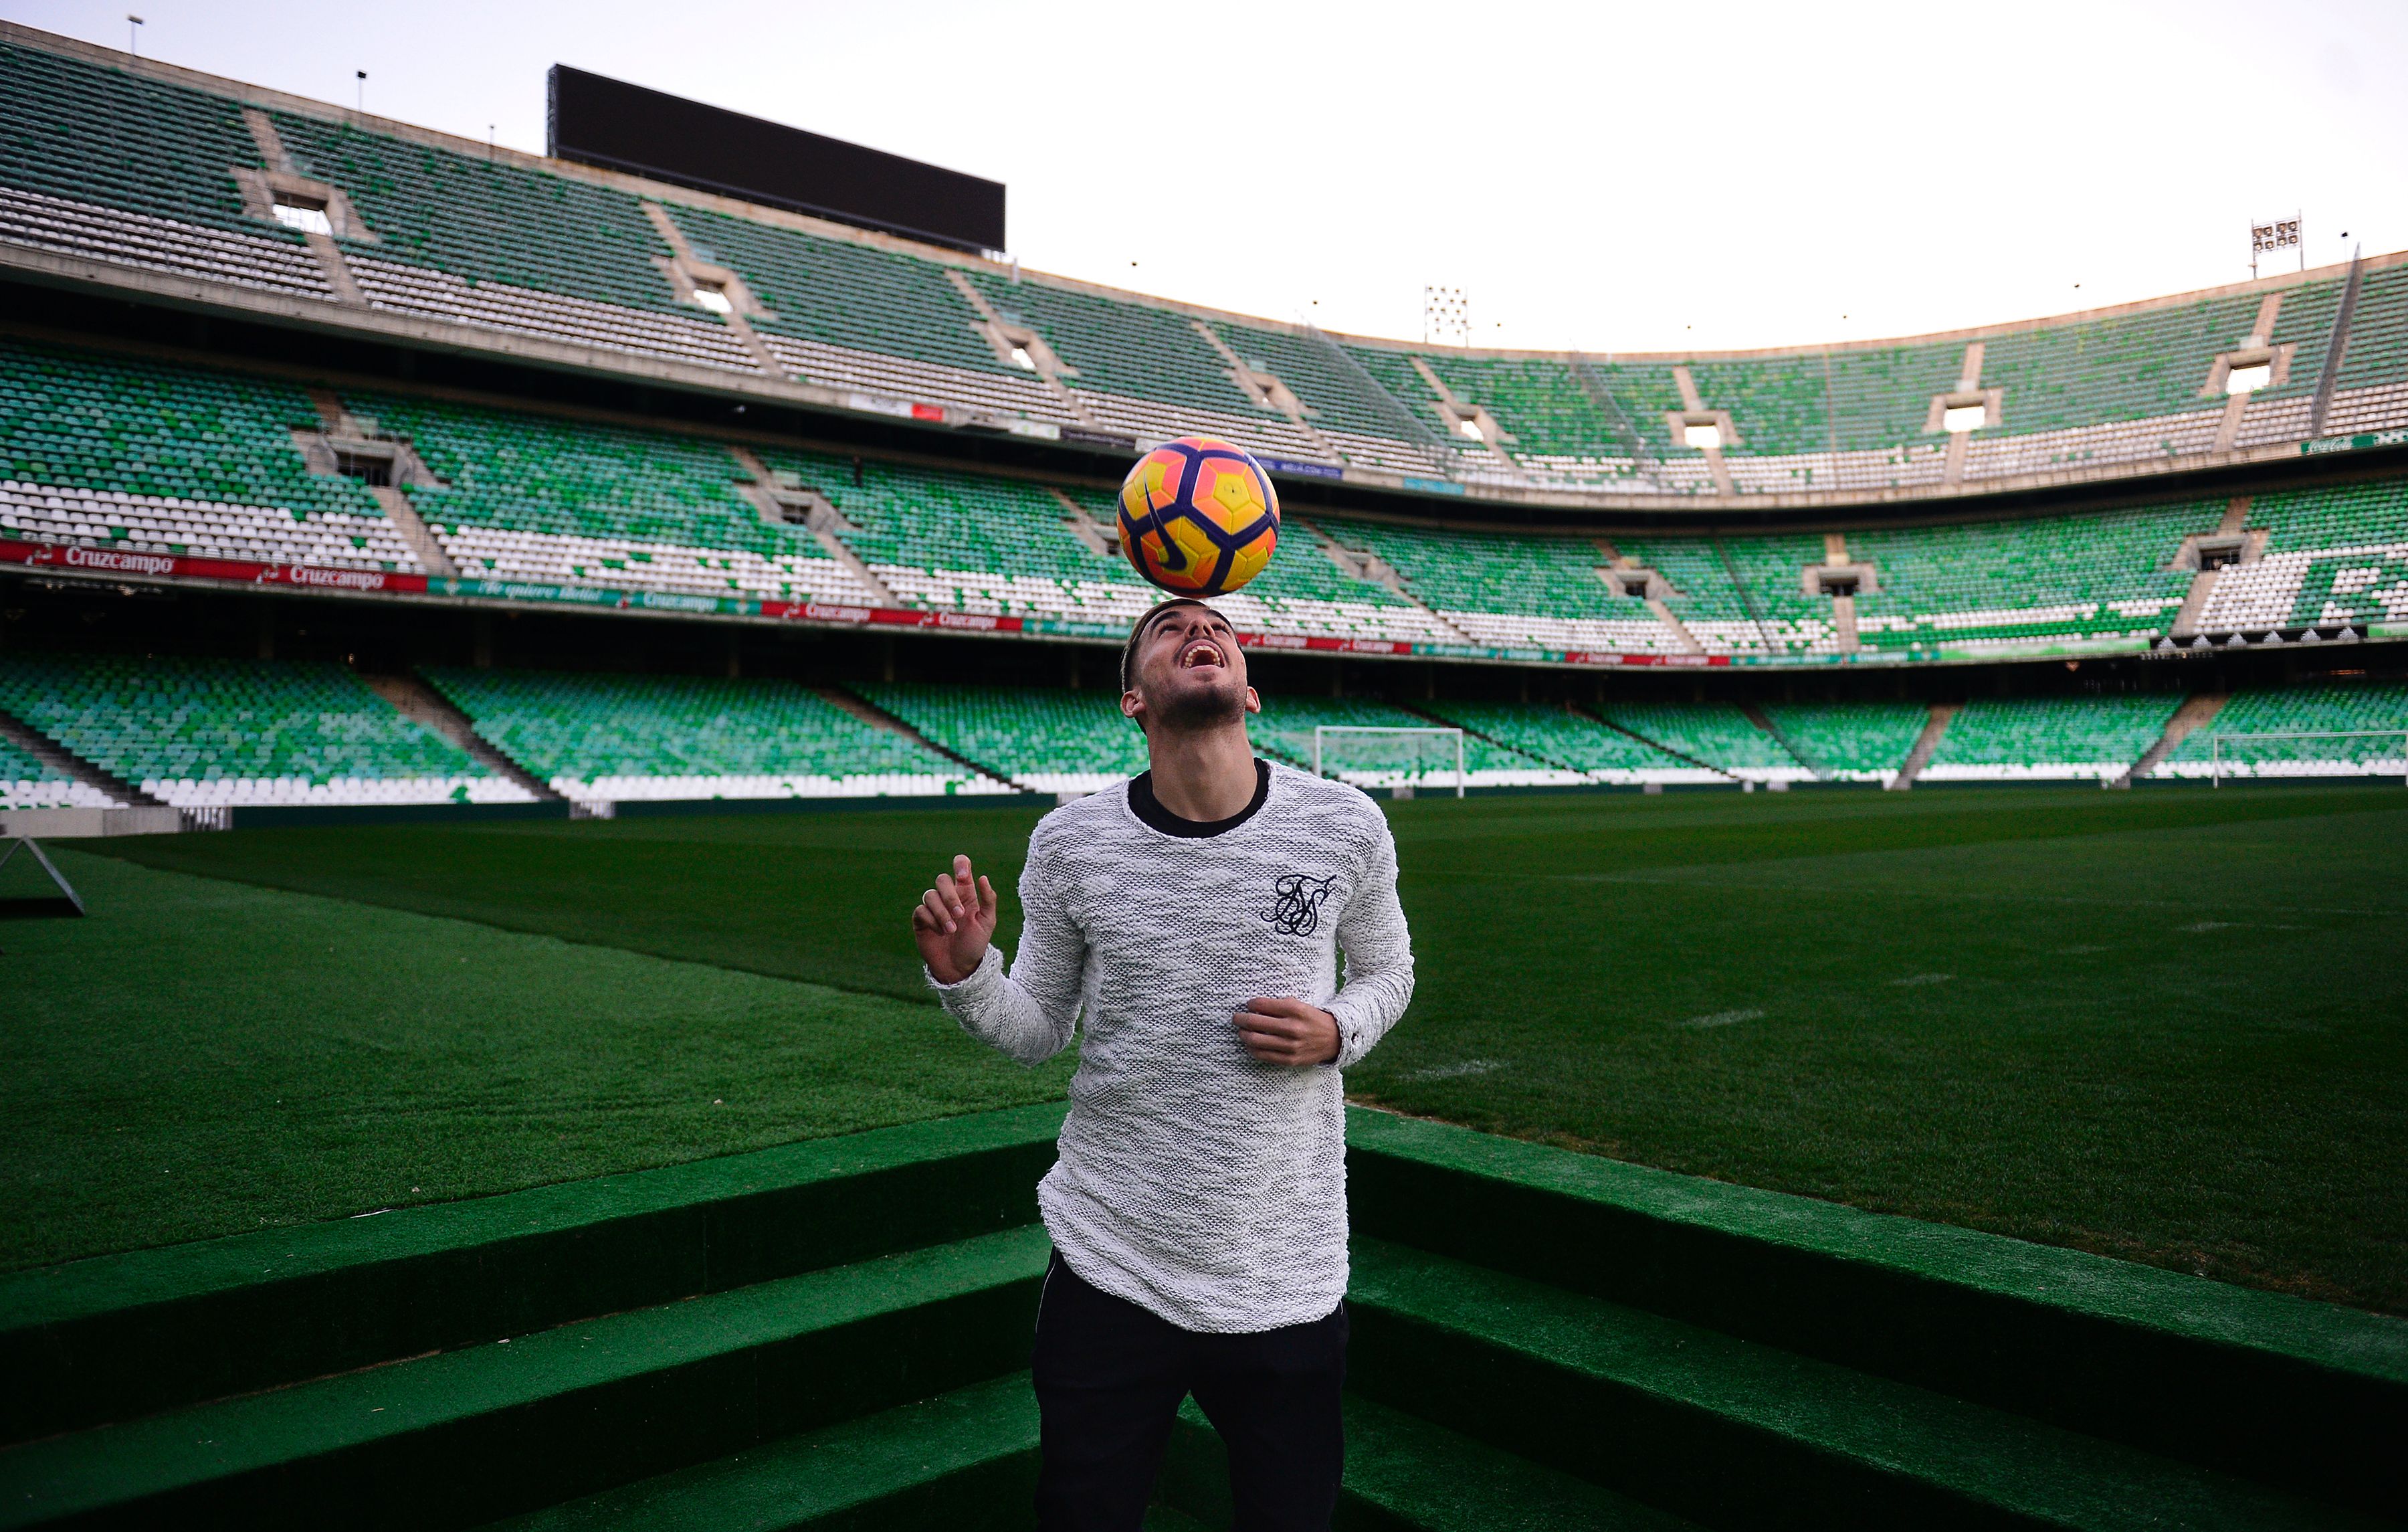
[1403, 1471]
[465, 1436]
[122, 1335]
[2310, 1397]
[966, 1459]
[1735, 1433]
[1404, 1474]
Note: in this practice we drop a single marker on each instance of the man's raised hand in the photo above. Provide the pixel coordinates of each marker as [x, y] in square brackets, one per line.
[954, 922]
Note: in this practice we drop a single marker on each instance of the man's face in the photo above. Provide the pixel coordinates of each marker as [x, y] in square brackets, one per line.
[1190, 673]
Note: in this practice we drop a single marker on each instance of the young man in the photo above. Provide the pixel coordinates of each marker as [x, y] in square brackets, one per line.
[1195, 918]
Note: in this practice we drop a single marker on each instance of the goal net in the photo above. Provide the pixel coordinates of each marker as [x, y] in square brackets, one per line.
[1395, 757]
[2326, 753]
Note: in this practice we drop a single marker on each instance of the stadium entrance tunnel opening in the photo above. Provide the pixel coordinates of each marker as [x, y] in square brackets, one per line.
[306, 214]
[1838, 580]
[370, 467]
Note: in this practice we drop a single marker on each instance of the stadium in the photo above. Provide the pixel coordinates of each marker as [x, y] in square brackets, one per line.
[492, 643]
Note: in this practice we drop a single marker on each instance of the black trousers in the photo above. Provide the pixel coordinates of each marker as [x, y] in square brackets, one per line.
[1109, 1378]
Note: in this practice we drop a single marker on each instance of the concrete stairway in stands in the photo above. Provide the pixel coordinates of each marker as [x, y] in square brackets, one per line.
[2198, 709]
[1934, 728]
[42, 748]
[834, 1333]
[413, 698]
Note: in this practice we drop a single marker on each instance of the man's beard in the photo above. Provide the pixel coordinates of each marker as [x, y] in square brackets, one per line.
[1199, 710]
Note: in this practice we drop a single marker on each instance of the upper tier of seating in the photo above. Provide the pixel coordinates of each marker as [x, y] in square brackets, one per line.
[201, 733]
[103, 450]
[610, 738]
[136, 166]
[167, 459]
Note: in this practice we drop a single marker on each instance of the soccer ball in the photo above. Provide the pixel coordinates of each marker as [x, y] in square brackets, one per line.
[1198, 517]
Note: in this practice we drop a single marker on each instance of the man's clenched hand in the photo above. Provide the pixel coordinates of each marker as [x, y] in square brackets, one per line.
[954, 922]
[1287, 1032]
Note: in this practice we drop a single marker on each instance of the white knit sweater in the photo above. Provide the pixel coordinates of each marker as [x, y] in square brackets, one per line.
[1192, 1180]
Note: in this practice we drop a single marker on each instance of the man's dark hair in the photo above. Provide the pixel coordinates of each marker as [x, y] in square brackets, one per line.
[1128, 650]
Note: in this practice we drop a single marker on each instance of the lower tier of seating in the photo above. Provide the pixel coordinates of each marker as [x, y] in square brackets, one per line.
[1576, 742]
[615, 738]
[1850, 741]
[209, 734]
[1713, 733]
[1376, 744]
[2338, 729]
[1046, 740]
[255, 734]
[2045, 739]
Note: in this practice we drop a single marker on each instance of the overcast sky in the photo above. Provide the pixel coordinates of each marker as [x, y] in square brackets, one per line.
[1607, 177]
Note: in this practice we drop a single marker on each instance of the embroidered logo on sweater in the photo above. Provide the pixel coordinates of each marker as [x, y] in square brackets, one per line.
[1295, 904]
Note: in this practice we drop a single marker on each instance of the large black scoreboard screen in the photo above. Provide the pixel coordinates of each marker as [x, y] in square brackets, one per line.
[601, 121]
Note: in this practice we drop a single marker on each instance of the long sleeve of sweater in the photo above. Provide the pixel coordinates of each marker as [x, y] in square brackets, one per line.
[1031, 1012]
[1379, 952]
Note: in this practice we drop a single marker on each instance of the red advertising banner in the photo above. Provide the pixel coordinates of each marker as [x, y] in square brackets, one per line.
[116, 561]
[124, 561]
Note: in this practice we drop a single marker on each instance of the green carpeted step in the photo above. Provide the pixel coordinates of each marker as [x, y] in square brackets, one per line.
[122, 1335]
[465, 1437]
[1402, 1471]
[966, 1459]
[1732, 1432]
[1404, 1474]
[2310, 1397]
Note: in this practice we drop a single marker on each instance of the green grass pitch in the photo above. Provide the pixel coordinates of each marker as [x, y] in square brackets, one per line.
[2165, 1024]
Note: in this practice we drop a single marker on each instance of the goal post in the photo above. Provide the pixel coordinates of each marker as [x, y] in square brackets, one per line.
[2281, 753]
[1386, 756]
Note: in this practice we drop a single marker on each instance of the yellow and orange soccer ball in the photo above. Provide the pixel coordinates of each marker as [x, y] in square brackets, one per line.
[1198, 517]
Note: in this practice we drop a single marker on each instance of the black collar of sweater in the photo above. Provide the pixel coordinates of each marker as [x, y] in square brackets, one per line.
[1149, 809]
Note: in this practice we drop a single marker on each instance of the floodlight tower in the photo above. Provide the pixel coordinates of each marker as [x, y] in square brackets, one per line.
[2282, 233]
[1445, 310]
